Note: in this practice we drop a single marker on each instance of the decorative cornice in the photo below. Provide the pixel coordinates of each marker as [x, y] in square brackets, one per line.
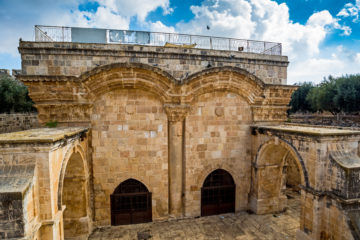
[45, 78]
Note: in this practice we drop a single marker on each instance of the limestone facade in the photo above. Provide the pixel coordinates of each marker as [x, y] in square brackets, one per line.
[129, 140]
[217, 129]
[168, 117]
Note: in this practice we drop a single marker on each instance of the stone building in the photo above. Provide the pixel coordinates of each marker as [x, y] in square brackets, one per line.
[148, 133]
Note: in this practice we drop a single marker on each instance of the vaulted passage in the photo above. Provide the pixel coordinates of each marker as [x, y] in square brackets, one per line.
[277, 177]
[74, 198]
[218, 193]
[130, 203]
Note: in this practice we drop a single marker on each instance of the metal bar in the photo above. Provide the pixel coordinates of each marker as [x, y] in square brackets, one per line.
[43, 33]
[55, 33]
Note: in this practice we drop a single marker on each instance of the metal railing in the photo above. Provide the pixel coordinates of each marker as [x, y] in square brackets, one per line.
[112, 36]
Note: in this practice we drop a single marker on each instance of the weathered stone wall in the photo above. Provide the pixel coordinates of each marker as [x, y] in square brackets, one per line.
[18, 121]
[129, 140]
[18, 209]
[329, 168]
[11, 216]
[217, 130]
[39, 188]
[334, 221]
[74, 59]
[323, 218]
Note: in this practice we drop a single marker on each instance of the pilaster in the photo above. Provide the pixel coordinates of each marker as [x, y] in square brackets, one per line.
[176, 116]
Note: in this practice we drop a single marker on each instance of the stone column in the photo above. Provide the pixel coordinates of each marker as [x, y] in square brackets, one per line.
[176, 116]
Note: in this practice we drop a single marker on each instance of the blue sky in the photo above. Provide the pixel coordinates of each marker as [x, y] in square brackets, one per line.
[320, 37]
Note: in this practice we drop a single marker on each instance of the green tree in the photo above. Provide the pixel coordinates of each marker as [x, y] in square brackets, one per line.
[322, 97]
[14, 96]
[298, 100]
[348, 93]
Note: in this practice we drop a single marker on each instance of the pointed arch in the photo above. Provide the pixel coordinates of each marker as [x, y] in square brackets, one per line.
[73, 193]
[131, 203]
[128, 76]
[76, 152]
[218, 193]
[130, 186]
[279, 148]
[231, 79]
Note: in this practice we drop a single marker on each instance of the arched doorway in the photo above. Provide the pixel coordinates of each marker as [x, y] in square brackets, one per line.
[130, 203]
[292, 177]
[277, 176]
[74, 198]
[218, 193]
[291, 185]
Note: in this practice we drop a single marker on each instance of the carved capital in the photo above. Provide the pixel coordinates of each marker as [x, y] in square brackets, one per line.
[176, 112]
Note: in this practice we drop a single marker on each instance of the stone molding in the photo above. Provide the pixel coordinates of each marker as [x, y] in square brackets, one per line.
[56, 99]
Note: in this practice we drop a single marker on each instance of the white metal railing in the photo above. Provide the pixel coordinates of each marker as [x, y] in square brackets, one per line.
[112, 36]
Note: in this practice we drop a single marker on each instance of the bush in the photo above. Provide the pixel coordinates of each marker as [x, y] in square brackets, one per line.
[14, 96]
[51, 124]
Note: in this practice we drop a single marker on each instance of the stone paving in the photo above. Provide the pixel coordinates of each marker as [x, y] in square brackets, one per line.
[239, 226]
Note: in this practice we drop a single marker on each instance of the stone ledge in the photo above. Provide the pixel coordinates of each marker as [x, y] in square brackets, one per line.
[114, 49]
[41, 135]
[307, 130]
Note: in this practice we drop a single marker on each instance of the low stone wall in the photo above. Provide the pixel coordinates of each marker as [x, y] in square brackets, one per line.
[18, 121]
[326, 120]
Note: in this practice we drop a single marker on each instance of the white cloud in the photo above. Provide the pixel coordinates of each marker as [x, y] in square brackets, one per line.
[351, 10]
[315, 69]
[17, 20]
[262, 20]
[104, 17]
[160, 27]
[357, 58]
[246, 19]
[118, 13]
[337, 62]
[269, 21]
[139, 8]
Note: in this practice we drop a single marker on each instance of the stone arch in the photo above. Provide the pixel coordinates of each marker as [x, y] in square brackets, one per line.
[218, 193]
[117, 189]
[131, 202]
[73, 193]
[128, 76]
[72, 149]
[267, 189]
[139, 179]
[230, 79]
[286, 146]
[209, 169]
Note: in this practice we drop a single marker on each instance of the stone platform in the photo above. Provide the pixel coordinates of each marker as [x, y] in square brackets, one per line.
[239, 226]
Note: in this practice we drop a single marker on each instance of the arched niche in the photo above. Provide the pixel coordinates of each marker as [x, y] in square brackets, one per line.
[74, 199]
[269, 175]
[130, 203]
[218, 193]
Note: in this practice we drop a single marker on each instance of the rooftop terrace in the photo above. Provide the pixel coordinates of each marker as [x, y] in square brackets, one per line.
[112, 36]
